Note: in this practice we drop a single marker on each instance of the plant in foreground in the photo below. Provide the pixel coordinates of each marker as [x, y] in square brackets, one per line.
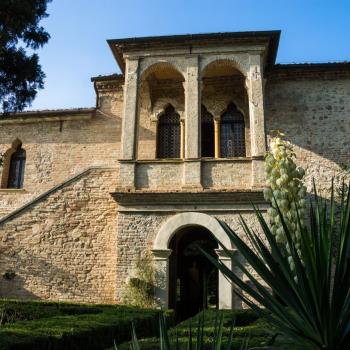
[195, 340]
[141, 285]
[286, 190]
[316, 293]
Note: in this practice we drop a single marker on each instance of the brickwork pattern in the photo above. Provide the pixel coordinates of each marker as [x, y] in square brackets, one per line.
[58, 150]
[314, 116]
[137, 232]
[64, 247]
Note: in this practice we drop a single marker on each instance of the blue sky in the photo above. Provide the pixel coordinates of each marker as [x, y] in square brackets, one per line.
[312, 31]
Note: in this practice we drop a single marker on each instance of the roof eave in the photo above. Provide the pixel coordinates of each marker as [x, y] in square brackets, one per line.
[271, 37]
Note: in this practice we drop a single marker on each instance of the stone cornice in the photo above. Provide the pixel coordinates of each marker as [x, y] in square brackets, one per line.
[47, 116]
[108, 85]
[306, 71]
[120, 47]
[207, 200]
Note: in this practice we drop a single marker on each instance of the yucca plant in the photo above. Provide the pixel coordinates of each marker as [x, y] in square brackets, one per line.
[311, 303]
[195, 337]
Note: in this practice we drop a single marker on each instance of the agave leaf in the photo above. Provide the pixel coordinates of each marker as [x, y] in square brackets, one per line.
[316, 292]
[163, 334]
[230, 337]
[134, 342]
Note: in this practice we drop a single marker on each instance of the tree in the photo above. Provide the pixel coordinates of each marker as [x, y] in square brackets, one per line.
[20, 36]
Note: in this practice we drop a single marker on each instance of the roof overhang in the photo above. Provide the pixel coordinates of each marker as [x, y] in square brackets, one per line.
[47, 116]
[270, 38]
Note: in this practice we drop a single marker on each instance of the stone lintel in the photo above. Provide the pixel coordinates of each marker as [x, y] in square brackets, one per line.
[138, 201]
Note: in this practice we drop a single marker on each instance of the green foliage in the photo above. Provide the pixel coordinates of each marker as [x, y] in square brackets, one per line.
[313, 301]
[140, 287]
[210, 330]
[20, 73]
[45, 325]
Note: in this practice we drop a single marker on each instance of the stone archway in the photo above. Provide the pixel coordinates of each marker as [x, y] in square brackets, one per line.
[161, 253]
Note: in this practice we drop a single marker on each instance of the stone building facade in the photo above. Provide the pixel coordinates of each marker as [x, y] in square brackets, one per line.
[175, 144]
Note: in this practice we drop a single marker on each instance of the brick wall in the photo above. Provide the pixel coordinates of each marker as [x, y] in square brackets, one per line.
[58, 150]
[314, 114]
[64, 247]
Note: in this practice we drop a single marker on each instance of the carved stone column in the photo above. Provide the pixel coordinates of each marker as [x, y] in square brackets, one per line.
[130, 109]
[182, 138]
[129, 125]
[192, 165]
[217, 137]
[226, 298]
[257, 122]
[192, 109]
[161, 289]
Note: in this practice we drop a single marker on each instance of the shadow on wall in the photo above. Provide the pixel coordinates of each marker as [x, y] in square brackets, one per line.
[25, 276]
[314, 116]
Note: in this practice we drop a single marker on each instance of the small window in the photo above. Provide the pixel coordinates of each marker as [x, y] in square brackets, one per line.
[168, 134]
[232, 133]
[207, 133]
[16, 168]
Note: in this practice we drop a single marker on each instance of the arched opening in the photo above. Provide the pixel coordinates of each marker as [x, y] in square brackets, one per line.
[207, 133]
[193, 279]
[225, 96]
[168, 134]
[232, 133]
[161, 102]
[14, 166]
[16, 169]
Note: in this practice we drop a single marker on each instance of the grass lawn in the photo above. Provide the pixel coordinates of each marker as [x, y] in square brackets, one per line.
[46, 325]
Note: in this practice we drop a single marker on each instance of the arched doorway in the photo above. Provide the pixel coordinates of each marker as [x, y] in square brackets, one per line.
[193, 279]
[163, 254]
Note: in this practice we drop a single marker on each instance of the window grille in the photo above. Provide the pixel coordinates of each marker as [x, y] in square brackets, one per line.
[232, 133]
[207, 133]
[168, 134]
[16, 168]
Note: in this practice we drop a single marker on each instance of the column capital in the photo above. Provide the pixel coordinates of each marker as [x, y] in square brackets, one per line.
[222, 255]
[161, 254]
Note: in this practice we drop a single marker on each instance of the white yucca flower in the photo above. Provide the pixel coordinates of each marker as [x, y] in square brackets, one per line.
[285, 189]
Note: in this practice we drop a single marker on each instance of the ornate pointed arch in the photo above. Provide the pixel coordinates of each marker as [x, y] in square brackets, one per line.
[169, 134]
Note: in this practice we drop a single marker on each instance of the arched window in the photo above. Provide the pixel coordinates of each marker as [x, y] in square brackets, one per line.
[207, 133]
[232, 130]
[168, 134]
[16, 168]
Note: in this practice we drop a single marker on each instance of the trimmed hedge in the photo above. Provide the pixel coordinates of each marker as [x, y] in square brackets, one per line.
[247, 326]
[57, 326]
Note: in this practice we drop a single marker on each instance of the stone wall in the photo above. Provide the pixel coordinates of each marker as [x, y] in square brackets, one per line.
[57, 150]
[64, 246]
[227, 174]
[313, 113]
[72, 245]
[137, 232]
[165, 175]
